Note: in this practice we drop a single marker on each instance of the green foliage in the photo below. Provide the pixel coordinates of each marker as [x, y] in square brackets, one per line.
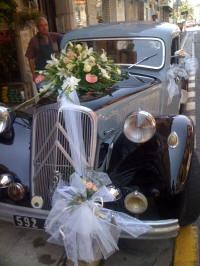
[185, 10]
[8, 52]
[8, 61]
[27, 15]
[7, 11]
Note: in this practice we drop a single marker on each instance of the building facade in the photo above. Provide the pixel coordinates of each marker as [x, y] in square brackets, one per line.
[197, 12]
[66, 15]
[71, 14]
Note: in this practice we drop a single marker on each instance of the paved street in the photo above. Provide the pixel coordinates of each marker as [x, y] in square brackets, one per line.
[192, 45]
[19, 247]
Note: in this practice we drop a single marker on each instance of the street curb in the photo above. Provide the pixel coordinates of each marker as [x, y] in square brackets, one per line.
[186, 247]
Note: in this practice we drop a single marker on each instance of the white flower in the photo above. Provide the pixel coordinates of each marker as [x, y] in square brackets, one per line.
[62, 72]
[104, 73]
[62, 54]
[70, 67]
[118, 71]
[54, 61]
[84, 54]
[46, 86]
[70, 84]
[42, 89]
[108, 68]
[70, 44]
[103, 56]
[63, 51]
[92, 59]
[79, 47]
[90, 51]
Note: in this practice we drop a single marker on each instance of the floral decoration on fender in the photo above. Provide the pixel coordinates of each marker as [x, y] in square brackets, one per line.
[79, 68]
[90, 189]
[186, 67]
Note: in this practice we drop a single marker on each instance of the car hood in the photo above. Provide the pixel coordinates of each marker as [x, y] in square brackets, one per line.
[134, 84]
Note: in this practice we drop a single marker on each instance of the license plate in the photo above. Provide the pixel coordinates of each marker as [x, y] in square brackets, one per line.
[28, 222]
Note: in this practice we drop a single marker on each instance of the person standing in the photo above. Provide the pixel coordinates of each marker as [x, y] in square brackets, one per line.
[154, 17]
[41, 46]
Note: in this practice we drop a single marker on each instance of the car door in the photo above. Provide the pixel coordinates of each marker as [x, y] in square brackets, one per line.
[175, 46]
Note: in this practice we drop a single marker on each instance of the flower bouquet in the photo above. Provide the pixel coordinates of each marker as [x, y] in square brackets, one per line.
[79, 68]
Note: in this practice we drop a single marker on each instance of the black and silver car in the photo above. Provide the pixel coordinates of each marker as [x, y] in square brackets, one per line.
[134, 133]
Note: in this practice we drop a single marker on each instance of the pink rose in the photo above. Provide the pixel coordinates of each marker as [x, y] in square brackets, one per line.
[89, 185]
[39, 78]
[71, 55]
[91, 78]
[65, 60]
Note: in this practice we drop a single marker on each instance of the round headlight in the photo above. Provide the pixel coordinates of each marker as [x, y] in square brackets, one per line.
[136, 202]
[16, 191]
[139, 127]
[5, 119]
[5, 180]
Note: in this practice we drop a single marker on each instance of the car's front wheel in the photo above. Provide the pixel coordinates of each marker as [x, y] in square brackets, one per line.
[187, 204]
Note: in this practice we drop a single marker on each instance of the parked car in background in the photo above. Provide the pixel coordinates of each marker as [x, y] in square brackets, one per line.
[133, 133]
[190, 23]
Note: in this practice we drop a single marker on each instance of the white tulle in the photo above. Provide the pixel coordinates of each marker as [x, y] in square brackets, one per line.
[187, 67]
[88, 231]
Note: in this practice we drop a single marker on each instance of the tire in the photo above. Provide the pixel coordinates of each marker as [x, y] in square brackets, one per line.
[188, 202]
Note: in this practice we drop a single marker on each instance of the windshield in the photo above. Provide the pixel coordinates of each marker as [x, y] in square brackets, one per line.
[131, 51]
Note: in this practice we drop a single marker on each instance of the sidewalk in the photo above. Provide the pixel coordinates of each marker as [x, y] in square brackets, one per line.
[24, 247]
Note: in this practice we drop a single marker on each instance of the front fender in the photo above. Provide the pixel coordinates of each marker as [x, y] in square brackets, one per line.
[154, 164]
[15, 149]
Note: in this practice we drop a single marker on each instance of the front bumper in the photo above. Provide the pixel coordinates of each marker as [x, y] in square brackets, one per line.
[161, 229]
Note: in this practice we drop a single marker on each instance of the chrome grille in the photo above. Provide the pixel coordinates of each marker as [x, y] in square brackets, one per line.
[51, 151]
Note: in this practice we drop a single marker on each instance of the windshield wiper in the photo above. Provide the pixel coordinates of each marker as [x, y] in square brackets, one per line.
[142, 60]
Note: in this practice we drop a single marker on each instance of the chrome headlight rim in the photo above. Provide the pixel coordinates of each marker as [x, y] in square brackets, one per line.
[136, 195]
[129, 133]
[6, 180]
[5, 119]
[115, 192]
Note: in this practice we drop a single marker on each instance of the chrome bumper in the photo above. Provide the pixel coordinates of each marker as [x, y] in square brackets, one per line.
[161, 229]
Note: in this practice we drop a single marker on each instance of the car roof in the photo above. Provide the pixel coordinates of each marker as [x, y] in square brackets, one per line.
[165, 31]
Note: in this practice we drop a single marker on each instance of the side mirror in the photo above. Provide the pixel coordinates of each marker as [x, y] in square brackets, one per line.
[7, 117]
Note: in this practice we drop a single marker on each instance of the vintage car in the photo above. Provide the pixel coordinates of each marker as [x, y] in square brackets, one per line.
[133, 133]
[190, 23]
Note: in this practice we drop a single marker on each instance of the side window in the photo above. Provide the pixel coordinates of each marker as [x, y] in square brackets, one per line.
[174, 48]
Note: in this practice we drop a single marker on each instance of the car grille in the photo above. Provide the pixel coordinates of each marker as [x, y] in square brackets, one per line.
[51, 151]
